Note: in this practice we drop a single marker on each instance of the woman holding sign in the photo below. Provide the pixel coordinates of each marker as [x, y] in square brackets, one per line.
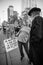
[23, 39]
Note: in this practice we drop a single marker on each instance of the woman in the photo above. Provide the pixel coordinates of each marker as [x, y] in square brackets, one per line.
[23, 38]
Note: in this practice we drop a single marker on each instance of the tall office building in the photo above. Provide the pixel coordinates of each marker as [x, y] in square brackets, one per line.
[10, 11]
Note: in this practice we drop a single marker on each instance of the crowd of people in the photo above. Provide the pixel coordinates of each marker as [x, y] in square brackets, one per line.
[29, 31]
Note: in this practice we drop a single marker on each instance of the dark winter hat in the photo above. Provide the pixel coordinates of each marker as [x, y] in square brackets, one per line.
[35, 9]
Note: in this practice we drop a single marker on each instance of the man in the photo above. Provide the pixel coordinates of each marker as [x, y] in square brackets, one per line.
[36, 36]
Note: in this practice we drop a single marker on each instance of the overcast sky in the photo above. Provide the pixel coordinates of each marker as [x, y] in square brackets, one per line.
[4, 5]
[17, 6]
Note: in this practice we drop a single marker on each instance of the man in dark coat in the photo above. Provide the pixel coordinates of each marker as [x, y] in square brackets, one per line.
[36, 37]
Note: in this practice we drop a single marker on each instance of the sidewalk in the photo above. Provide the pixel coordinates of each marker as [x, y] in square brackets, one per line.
[14, 58]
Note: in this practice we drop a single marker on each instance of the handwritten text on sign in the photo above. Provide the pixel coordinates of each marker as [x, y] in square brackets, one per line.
[10, 44]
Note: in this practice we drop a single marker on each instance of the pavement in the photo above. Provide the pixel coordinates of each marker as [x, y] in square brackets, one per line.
[13, 58]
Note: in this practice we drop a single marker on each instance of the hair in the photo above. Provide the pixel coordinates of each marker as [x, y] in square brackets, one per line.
[35, 13]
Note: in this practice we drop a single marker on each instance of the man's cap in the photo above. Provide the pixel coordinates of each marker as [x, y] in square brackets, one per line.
[35, 9]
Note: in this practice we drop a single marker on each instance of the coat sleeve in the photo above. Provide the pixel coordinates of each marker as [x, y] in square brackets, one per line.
[36, 31]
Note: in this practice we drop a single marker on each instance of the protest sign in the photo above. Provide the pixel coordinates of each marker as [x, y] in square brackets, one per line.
[10, 44]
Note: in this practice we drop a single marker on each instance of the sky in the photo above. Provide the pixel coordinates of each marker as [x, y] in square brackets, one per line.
[4, 5]
[17, 6]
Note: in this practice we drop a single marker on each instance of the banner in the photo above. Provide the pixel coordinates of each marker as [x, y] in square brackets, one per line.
[10, 44]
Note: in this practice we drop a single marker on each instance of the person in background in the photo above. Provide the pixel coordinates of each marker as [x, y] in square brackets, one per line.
[12, 30]
[3, 54]
[36, 37]
[4, 27]
[8, 30]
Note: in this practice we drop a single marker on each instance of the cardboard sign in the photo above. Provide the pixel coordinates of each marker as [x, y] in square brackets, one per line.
[10, 44]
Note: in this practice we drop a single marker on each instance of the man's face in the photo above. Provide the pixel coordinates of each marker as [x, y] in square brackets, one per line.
[33, 14]
[40, 13]
[31, 18]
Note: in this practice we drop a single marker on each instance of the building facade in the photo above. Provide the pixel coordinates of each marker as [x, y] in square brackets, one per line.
[33, 3]
[10, 11]
[28, 4]
[24, 4]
